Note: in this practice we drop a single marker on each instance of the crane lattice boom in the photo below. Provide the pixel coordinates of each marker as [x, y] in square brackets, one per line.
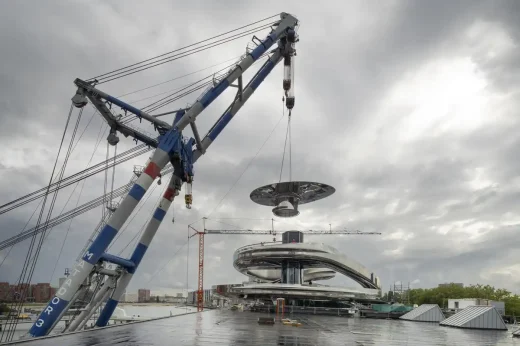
[274, 232]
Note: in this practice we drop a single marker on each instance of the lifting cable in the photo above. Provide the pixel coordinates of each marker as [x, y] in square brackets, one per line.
[97, 168]
[177, 95]
[119, 192]
[179, 77]
[103, 210]
[169, 261]
[248, 165]
[204, 85]
[287, 136]
[24, 275]
[134, 214]
[113, 177]
[125, 69]
[61, 213]
[98, 141]
[182, 55]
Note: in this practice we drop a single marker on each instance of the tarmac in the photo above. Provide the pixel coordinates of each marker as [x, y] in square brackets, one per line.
[225, 327]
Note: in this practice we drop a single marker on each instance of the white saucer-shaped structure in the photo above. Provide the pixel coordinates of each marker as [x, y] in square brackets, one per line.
[285, 197]
[258, 259]
[291, 268]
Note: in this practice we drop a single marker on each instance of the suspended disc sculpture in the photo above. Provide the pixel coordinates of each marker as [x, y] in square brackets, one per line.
[287, 196]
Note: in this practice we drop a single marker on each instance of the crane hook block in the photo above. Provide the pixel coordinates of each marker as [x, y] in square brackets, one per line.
[79, 100]
[188, 198]
[291, 36]
[112, 138]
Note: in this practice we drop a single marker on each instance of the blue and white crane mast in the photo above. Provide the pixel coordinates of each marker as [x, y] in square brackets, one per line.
[171, 146]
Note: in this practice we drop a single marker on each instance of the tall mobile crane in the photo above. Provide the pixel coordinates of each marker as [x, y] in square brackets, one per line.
[170, 146]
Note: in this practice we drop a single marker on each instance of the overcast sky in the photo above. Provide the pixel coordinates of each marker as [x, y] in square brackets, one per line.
[408, 108]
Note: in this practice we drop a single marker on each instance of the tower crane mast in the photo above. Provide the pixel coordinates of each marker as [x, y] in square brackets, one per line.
[171, 146]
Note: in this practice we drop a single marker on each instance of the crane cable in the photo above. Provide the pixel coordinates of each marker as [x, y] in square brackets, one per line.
[245, 169]
[165, 101]
[205, 84]
[179, 56]
[23, 275]
[120, 70]
[61, 213]
[179, 77]
[97, 168]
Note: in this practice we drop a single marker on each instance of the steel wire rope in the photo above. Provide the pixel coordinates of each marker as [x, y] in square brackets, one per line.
[108, 74]
[11, 329]
[225, 223]
[34, 212]
[239, 218]
[184, 54]
[205, 84]
[169, 261]
[32, 261]
[123, 157]
[187, 267]
[178, 88]
[119, 192]
[125, 226]
[130, 117]
[66, 235]
[103, 210]
[290, 147]
[49, 214]
[22, 233]
[179, 77]
[113, 176]
[145, 222]
[247, 166]
[54, 197]
[77, 201]
[176, 91]
[62, 218]
[166, 102]
[189, 85]
[285, 143]
[98, 141]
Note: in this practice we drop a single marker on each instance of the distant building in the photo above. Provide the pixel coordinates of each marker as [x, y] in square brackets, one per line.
[143, 295]
[4, 291]
[459, 304]
[179, 295]
[42, 292]
[130, 297]
[451, 284]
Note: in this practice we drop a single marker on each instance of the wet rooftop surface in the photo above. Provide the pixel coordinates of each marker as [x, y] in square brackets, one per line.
[224, 327]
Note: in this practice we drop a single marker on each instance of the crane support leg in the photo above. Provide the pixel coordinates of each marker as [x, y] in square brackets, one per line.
[139, 251]
[63, 298]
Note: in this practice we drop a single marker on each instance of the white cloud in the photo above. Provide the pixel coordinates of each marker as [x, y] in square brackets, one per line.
[409, 111]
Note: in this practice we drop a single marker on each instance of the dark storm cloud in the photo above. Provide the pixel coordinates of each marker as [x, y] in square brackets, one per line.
[423, 202]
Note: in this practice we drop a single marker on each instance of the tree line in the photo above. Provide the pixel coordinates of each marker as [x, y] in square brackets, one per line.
[440, 296]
